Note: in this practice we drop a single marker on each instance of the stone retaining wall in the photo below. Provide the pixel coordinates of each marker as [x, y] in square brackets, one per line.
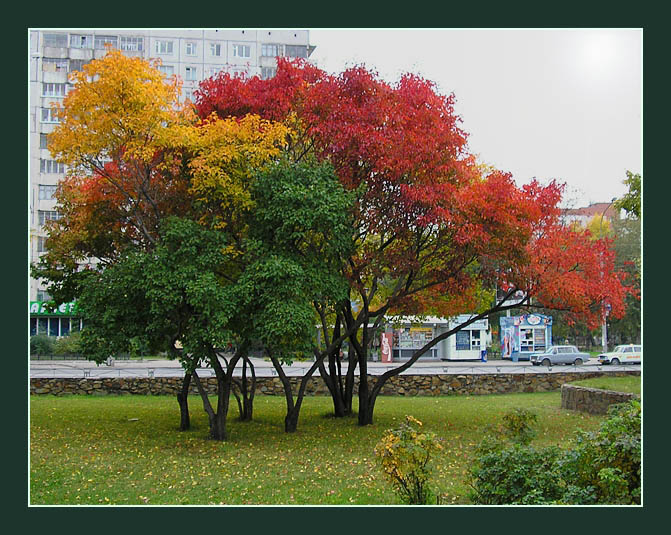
[402, 385]
[592, 400]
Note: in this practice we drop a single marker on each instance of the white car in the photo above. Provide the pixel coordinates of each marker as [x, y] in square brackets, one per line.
[624, 354]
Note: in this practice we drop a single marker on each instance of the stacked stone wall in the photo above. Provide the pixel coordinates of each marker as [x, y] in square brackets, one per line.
[400, 385]
[592, 400]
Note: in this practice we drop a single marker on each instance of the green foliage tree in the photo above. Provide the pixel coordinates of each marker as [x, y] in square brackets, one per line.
[300, 232]
[631, 201]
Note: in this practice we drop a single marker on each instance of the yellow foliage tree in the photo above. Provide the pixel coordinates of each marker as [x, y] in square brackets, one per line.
[600, 227]
[225, 154]
[114, 136]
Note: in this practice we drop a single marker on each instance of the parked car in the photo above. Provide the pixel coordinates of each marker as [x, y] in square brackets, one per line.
[559, 355]
[624, 354]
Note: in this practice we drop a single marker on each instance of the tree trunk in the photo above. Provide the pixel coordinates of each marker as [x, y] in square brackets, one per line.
[291, 419]
[247, 391]
[183, 400]
[348, 395]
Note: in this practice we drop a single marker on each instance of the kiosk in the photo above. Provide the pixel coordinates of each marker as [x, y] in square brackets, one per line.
[523, 335]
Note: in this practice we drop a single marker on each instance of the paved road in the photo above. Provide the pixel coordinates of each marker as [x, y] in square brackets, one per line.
[168, 368]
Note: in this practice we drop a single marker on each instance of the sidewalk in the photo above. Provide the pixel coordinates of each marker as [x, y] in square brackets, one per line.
[264, 368]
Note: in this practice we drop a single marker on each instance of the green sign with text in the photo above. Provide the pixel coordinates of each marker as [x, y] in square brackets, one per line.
[43, 308]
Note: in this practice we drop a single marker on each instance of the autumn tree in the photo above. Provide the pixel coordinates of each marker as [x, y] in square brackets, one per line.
[433, 230]
[136, 159]
[225, 241]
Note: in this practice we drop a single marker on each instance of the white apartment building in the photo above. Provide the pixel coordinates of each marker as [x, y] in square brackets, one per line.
[194, 55]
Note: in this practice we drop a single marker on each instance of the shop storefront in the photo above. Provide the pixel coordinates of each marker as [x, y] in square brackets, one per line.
[468, 343]
[410, 334]
[523, 335]
[60, 321]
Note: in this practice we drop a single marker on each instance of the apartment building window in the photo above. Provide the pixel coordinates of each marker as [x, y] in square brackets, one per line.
[53, 90]
[271, 51]
[164, 47]
[77, 64]
[191, 74]
[191, 49]
[41, 248]
[167, 70]
[81, 41]
[267, 72]
[296, 51]
[241, 51]
[239, 73]
[55, 40]
[44, 143]
[188, 94]
[51, 166]
[54, 65]
[42, 295]
[215, 49]
[46, 192]
[211, 71]
[131, 44]
[102, 41]
[47, 215]
[49, 116]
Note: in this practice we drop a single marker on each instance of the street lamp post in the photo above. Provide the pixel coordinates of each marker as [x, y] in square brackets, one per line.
[606, 305]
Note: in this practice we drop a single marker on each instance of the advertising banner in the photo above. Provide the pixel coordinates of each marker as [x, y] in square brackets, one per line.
[385, 347]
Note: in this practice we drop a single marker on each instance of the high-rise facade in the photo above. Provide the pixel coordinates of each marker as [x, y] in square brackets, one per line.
[193, 55]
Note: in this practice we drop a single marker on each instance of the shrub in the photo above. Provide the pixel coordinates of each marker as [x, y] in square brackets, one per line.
[518, 425]
[602, 467]
[404, 454]
[68, 345]
[41, 344]
[517, 474]
[605, 465]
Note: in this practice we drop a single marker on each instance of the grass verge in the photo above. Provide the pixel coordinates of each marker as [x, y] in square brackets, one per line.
[630, 383]
[128, 450]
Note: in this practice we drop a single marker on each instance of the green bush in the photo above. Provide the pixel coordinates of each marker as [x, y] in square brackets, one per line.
[517, 474]
[518, 425]
[602, 467]
[68, 345]
[605, 465]
[41, 344]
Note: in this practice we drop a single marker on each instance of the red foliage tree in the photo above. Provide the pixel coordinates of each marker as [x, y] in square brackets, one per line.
[432, 230]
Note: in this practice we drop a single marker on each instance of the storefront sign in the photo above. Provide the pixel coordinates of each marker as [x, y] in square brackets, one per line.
[42, 308]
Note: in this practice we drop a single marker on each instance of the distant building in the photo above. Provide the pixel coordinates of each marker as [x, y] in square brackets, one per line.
[583, 215]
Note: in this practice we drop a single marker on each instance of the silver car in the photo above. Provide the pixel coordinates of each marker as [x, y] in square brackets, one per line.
[559, 355]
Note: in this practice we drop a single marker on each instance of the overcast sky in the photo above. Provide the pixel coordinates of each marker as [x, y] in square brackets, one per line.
[551, 104]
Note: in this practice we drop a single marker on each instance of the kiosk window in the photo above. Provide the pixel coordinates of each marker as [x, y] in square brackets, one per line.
[463, 339]
[475, 340]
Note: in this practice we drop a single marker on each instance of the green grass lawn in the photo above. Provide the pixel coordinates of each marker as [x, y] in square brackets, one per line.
[630, 383]
[128, 450]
